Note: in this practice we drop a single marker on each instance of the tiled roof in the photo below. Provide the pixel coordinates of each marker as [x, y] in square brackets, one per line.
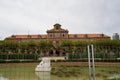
[43, 36]
[70, 36]
[88, 36]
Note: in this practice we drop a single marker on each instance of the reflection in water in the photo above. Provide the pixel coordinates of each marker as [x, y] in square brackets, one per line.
[114, 77]
[2, 78]
[43, 75]
[26, 72]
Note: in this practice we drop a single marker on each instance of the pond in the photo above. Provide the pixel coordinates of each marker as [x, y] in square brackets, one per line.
[25, 71]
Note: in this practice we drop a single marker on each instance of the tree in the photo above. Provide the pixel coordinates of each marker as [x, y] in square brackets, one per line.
[10, 46]
[32, 47]
[44, 46]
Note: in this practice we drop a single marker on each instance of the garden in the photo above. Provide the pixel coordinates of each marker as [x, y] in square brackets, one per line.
[19, 59]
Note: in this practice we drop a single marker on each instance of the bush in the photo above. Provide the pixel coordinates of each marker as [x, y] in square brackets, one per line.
[17, 61]
[5, 56]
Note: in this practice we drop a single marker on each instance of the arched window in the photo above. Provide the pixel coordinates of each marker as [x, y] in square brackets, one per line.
[63, 35]
[75, 36]
[39, 36]
[50, 35]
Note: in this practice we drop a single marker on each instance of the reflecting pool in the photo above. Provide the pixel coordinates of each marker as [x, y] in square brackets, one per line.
[26, 71]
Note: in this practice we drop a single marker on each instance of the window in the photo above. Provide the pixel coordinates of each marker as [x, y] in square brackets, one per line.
[50, 35]
[63, 35]
[57, 27]
[39, 36]
[75, 36]
[57, 35]
[29, 36]
[86, 36]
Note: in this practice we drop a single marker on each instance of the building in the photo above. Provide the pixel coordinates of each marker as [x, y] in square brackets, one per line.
[56, 34]
[115, 36]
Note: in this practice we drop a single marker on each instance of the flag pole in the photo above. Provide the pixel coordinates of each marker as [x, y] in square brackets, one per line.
[90, 77]
[93, 65]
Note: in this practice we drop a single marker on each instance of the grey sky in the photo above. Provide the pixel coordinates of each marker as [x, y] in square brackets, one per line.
[78, 16]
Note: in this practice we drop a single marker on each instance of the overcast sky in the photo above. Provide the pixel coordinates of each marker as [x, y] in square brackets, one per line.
[78, 16]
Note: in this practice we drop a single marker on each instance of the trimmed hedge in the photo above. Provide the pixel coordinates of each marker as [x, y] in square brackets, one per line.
[5, 56]
[86, 60]
[18, 61]
[32, 60]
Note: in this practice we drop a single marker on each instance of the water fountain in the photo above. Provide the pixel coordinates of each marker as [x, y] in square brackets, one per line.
[44, 65]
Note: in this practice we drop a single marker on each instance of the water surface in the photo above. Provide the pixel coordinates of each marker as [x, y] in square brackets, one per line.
[25, 71]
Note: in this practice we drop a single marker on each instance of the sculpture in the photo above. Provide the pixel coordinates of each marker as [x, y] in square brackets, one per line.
[44, 65]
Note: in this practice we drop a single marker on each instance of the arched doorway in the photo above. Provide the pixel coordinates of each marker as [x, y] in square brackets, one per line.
[57, 53]
[51, 53]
